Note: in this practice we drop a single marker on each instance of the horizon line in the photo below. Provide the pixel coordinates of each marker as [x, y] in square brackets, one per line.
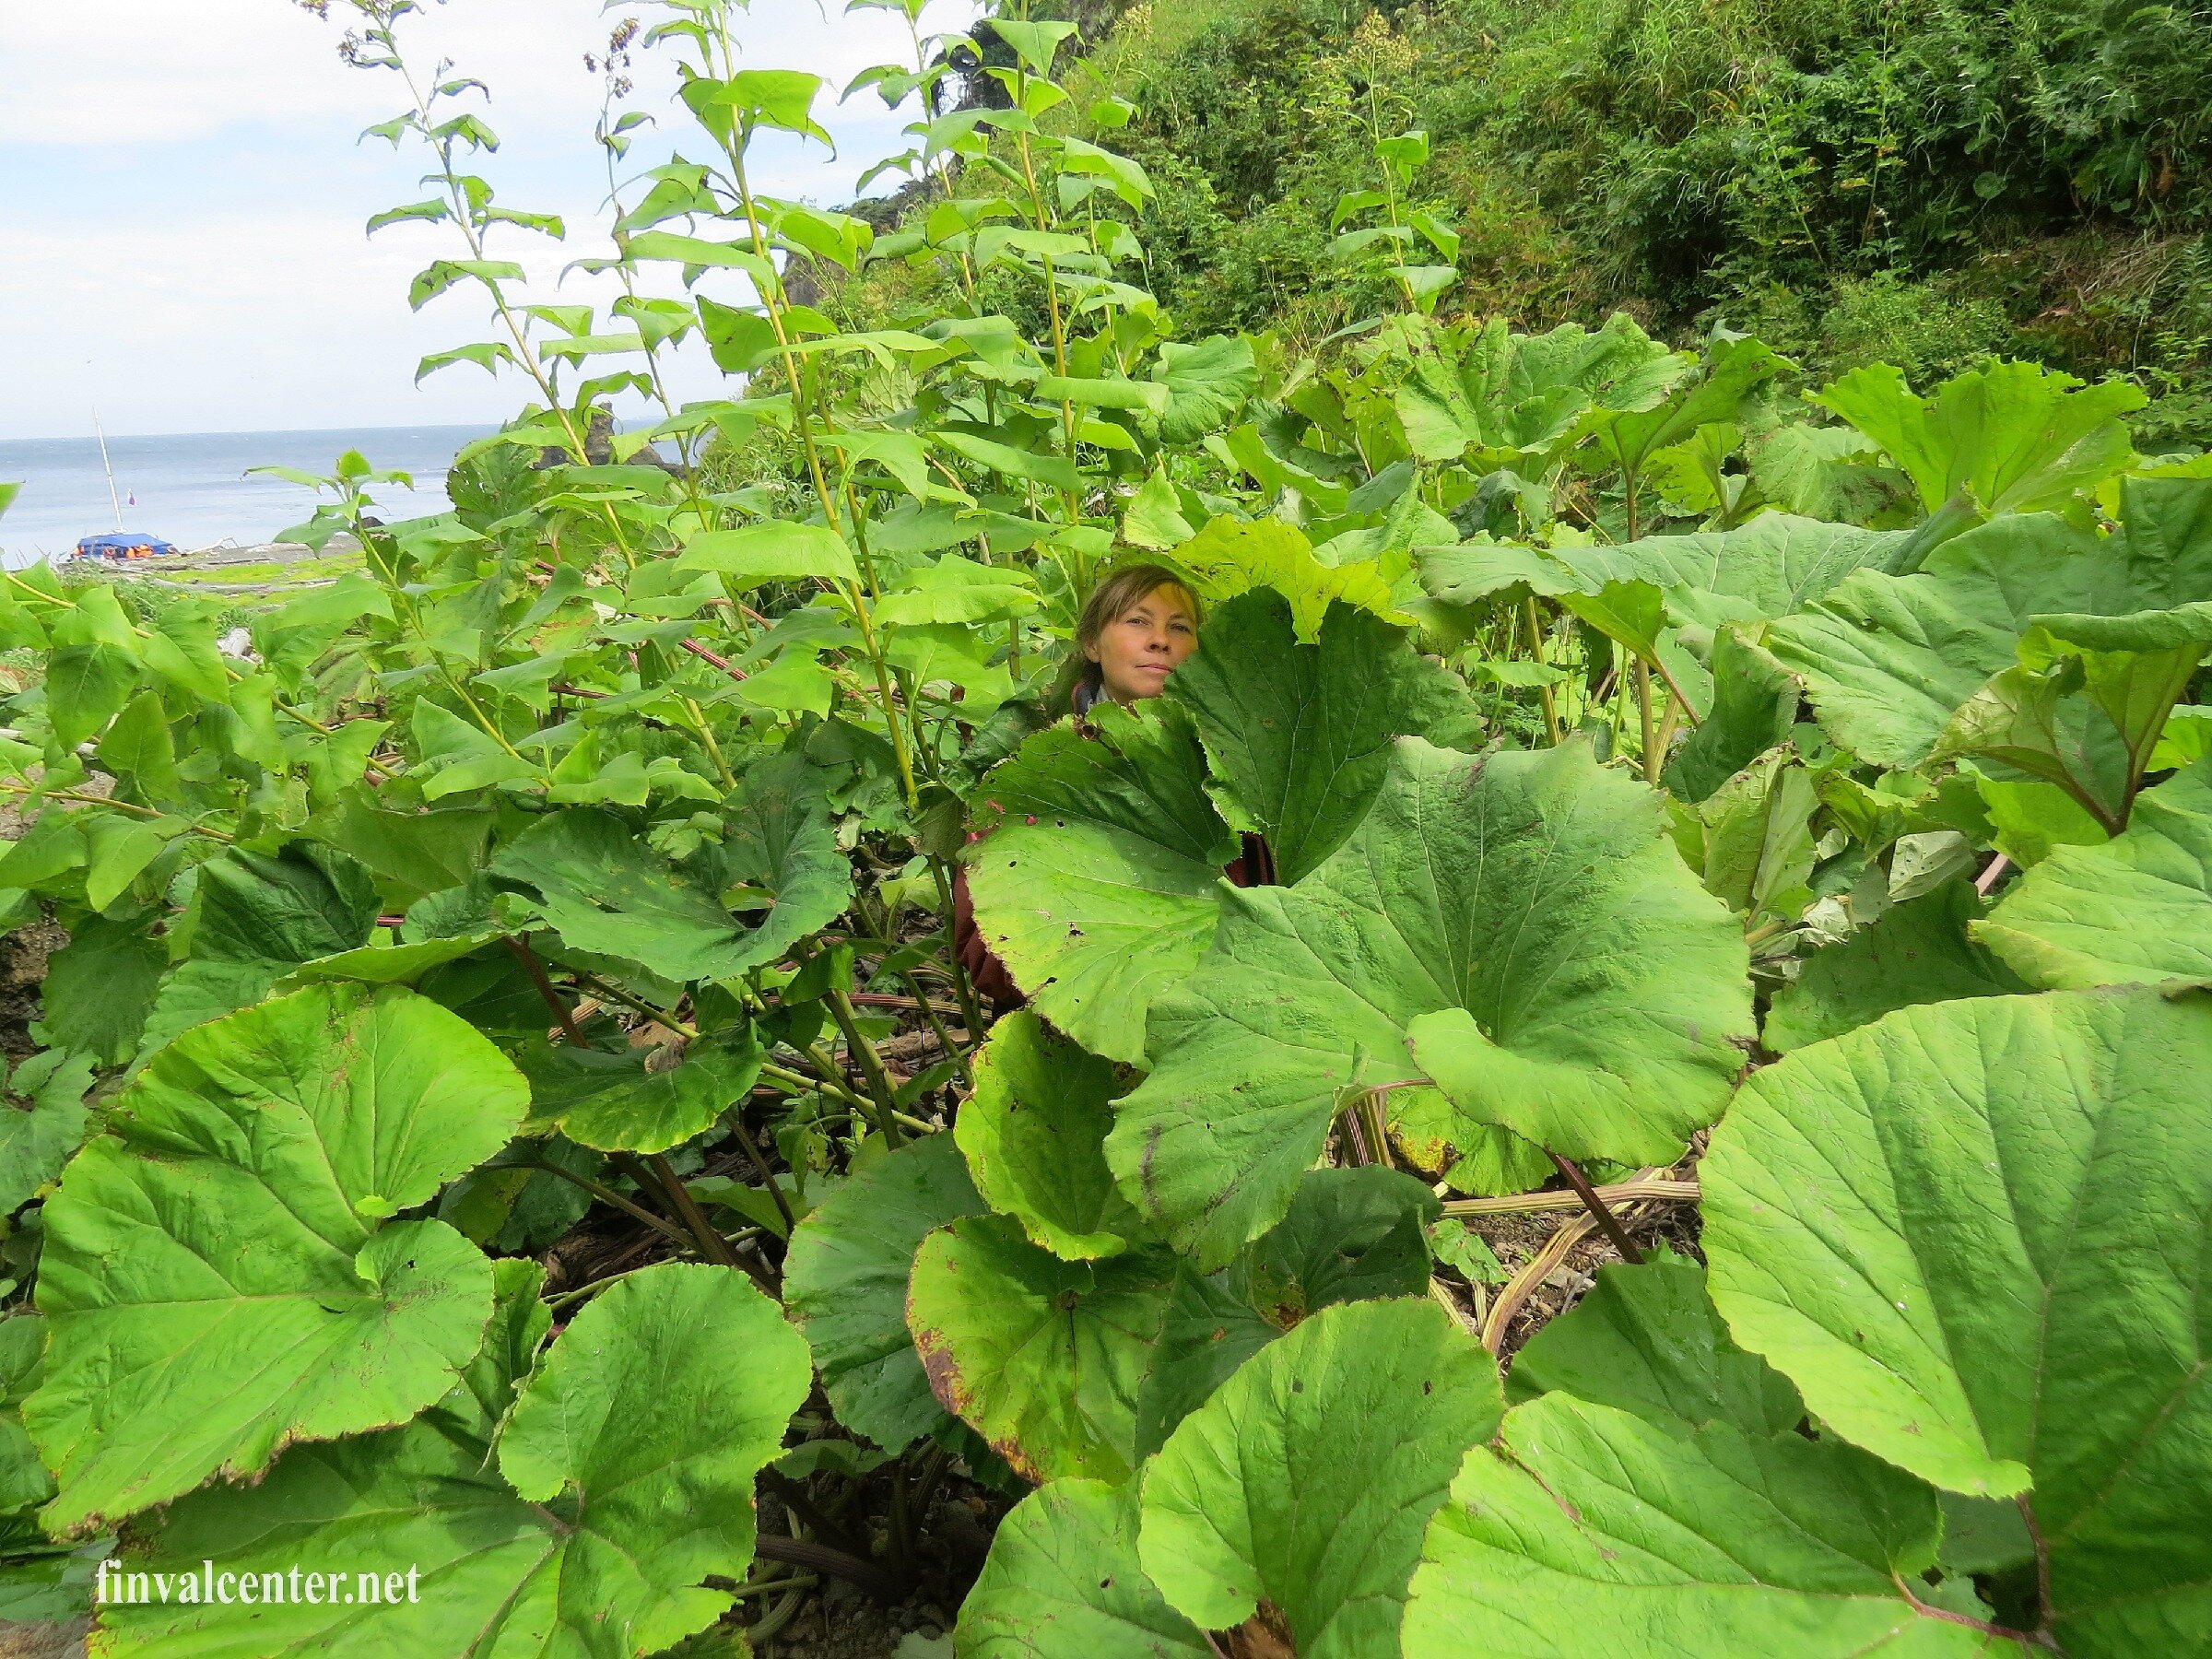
[402, 426]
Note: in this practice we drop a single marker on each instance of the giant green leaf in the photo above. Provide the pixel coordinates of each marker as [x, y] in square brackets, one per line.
[605, 892]
[2035, 717]
[416, 851]
[1231, 557]
[1913, 952]
[1305, 1483]
[1754, 708]
[1751, 839]
[1768, 568]
[1063, 1582]
[38, 1138]
[1350, 1235]
[1974, 1235]
[1299, 737]
[217, 1273]
[1591, 1529]
[1208, 1331]
[2010, 437]
[1208, 382]
[1733, 370]
[2137, 909]
[23, 1478]
[100, 988]
[253, 918]
[1513, 394]
[1042, 1357]
[1521, 917]
[1887, 660]
[406, 964]
[1646, 1340]
[700, 1356]
[599, 1526]
[845, 1283]
[1033, 1133]
[1100, 882]
[622, 1103]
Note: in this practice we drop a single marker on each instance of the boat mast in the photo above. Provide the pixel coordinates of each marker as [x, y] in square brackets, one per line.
[113, 499]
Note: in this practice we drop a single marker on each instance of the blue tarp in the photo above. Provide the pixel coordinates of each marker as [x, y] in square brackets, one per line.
[121, 546]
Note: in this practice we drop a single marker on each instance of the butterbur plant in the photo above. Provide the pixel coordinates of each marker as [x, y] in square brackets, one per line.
[1620, 1064]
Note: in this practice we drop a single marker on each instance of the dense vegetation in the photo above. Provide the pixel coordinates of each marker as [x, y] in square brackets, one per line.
[1852, 182]
[508, 1105]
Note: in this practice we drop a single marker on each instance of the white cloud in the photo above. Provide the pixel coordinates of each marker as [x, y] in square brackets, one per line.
[183, 243]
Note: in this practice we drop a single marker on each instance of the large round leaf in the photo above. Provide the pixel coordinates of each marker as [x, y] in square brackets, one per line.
[1646, 1340]
[605, 892]
[253, 919]
[1592, 1530]
[1913, 952]
[2136, 908]
[1042, 1357]
[632, 1454]
[1888, 660]
[1974, 1235]
[1099, 883]
[23, 1477]
[1305, 1483]
[1522, 917]
[1771, 567]
[1063, 1582]
[845, 1281]
[2009, 437]
[1299, 737]
[1350, 1235]
[99, 987]
[619, 1103]
[39, 1138]
[1231, 557]
[216, 1275]
[1032, 1134]
[653, 1416]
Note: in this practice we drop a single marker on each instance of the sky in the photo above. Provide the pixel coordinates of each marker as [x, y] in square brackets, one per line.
[183, 193]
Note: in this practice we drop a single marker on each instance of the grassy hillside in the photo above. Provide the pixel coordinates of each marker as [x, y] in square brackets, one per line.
[1848, 179]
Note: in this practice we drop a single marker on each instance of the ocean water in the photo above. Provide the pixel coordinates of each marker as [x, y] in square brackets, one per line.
[193, 489]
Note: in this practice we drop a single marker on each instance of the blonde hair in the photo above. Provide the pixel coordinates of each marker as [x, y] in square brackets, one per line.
[1108, 601]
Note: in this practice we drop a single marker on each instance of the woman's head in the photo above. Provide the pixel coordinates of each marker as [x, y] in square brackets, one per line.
[1137, 627]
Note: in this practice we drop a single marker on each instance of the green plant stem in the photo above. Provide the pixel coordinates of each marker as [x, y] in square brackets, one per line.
[773, 301]
[790, 1581]
[92, 800]
[936, 1021]
[706, 736]
[568, 1299]
[1536, 646]
[1072, 506]
[563, 1015]
[734, 1118]
[1643, 676]
[1674, 691]
[863, 1055]
[607, 1195]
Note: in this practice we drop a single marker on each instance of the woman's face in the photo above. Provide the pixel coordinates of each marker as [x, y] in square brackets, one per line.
[1139, 649]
